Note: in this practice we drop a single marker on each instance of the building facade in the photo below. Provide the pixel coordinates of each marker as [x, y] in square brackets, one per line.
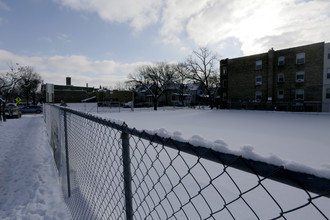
[68, 93]
[293, 79]
[326, 79]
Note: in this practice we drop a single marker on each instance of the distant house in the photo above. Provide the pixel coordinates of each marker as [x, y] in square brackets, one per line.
[293, 79]
[113, 97]
[175, 95]
[68, 93]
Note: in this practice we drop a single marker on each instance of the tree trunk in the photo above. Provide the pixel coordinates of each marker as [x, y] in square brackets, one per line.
[27, 98]
[211, 100]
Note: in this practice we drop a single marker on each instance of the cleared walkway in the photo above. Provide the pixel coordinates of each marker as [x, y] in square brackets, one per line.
[29, 187]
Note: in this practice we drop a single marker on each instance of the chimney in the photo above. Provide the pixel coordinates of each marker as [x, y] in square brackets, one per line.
[87, 85]
[68, 81]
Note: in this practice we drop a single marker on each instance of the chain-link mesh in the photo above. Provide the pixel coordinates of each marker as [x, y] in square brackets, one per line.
[175, 180]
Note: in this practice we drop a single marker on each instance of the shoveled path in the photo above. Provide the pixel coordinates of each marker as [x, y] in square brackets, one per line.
[29, 187]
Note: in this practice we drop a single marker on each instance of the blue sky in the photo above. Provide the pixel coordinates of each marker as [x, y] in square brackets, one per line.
[100, 42]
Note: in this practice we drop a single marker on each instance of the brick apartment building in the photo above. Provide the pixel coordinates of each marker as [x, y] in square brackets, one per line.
[326, 80]
[293, 79]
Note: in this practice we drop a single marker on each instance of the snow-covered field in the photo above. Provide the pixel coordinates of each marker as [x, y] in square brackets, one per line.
[297, 141]
[301, 138]
[29, 187]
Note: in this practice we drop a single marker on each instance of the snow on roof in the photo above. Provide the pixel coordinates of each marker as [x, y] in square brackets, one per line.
[85, 100]
[193, 86]
[178, 94]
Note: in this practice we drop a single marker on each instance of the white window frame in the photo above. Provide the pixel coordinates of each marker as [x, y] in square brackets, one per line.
[258, 80]
[300, 92]
[281, 61]
[280, 96]
[300, 58]
[258, 95]
[300, 79]
[280, 76]
[259, 65]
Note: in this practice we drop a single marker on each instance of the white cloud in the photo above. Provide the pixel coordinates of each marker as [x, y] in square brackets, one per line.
[175, 16]
[258, 25]
[261, 24]
[82, 70]
[64, 37]
[3, 6]
[138, 14]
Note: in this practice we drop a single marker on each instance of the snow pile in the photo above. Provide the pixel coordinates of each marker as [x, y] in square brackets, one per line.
[29, 186]
[296, 141]
[246, 152]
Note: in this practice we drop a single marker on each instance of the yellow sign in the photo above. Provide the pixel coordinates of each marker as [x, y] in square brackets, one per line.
[18, 100]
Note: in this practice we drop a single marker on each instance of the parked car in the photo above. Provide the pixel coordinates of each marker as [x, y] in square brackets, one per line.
[11, 111]
[31, 109]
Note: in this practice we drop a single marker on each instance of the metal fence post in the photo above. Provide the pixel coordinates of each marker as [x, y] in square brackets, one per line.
[67, 153]
[127, 176]
[3, 111]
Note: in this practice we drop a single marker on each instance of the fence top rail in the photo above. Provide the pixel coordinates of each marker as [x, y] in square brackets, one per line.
[305, 181]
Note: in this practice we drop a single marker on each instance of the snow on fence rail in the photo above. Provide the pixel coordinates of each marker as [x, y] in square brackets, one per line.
[111, 171]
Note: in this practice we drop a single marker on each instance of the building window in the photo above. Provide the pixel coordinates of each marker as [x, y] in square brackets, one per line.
[258, 80]
[281, 61]
[327, 95]
[300, 76]
[299, 94]
[280, 94]
[328, 53]
[300, 58]
[280, 77]
[259, 65]
[328, 74]
[258, 95]
[224, 83]
[224, 95]
[224, 70]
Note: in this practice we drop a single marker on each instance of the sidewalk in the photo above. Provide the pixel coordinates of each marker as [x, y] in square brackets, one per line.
[29, 187]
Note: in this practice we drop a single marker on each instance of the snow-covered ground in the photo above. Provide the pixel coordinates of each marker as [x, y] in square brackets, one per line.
[29, 187]
[289, 137]
[297, 141]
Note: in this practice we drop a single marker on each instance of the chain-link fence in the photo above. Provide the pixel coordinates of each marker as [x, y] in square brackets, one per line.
[110, 171]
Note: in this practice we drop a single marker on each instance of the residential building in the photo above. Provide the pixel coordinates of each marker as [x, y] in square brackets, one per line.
[68, 93]
[113, 98]
[175, 95]
[292, 79]
[326, 79]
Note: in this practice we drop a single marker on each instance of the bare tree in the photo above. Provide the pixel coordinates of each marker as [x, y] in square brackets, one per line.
[29, 83]
[181, 73]
[202, 69]
[154, 78]
[9, 80]
[119, 85]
